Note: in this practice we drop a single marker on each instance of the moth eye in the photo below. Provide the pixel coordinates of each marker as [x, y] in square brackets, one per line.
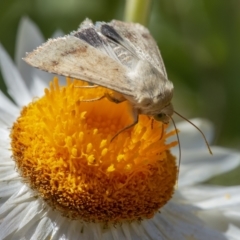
[161, 117]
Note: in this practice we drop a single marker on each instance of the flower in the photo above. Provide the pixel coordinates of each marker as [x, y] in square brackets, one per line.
[194, 212]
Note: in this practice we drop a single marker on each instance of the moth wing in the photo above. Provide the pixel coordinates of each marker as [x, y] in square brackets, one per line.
[139, 38]
[72, 57]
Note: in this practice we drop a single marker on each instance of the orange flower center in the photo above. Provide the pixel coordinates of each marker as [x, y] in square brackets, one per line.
[63, 150]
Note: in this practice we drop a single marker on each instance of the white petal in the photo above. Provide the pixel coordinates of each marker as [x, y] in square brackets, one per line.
[27, 227]
[117, 233]
[6, 118]
[17, 88]
[232, 214]
[4, 139]
[217, 206]
[22, 195]
[32, 210]
[37, 87]
[7, 189]
[9, 108]
[8, 226]
[185, 225]
[73, 230]
[233, 233]
[29, 37]
[60, 229]
[91, 231]
[5, 156]
[200, 166]
[153, 231]
[95, 229]
[138, 231]
[212, 197]
[27, 231]
[43, 230]
[126, 230]
[7, 177]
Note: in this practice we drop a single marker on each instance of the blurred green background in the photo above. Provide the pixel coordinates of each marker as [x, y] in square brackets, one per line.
[199, 41]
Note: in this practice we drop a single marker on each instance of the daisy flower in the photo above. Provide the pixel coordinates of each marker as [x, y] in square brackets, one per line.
[61, 177]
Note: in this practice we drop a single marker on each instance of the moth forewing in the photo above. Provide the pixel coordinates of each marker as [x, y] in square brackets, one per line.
[72, 57]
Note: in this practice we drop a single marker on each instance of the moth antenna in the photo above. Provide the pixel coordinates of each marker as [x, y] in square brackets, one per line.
[209, 149]
[179, 146]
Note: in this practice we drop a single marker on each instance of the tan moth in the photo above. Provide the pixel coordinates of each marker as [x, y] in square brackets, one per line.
[117, 55]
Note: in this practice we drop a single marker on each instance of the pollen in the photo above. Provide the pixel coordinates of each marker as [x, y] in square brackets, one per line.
[63, 148]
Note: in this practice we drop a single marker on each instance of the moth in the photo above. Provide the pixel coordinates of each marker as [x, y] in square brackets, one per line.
[117, 55]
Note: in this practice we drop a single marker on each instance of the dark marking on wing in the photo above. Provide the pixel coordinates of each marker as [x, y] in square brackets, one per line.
[105, 38]
[111, 33]
[90, 36]
[129, 36]
[81, 49]
[65, 53]
[55, 63]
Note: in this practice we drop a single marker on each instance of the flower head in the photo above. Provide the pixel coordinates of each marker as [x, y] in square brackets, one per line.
[62, 147]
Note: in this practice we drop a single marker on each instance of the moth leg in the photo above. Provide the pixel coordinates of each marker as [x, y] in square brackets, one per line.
[93, 99]
[135, 121]
[87, 86]
[163, 128]
[115, 97]
[152, 121]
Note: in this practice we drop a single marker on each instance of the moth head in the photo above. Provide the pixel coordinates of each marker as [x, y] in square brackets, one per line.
[165, 114]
